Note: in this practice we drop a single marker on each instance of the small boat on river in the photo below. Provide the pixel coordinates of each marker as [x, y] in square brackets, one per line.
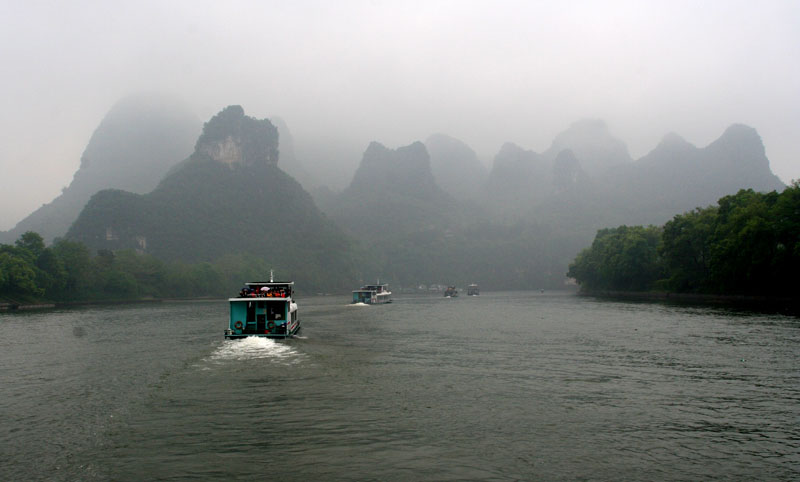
[450, 292]
[472, 290]
[373, 294]
[264, 309]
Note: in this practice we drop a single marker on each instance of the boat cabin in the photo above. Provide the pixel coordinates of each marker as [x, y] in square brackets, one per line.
[365, 296]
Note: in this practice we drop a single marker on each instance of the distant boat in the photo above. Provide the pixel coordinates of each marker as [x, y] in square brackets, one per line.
[264, 309]
[373, 294]
[451, 292]
[472, 290]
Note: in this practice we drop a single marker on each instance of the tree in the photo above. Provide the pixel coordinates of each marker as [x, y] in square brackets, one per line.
[785, 214]
[52, 275]
[18, 276]
[623, 258]
[744, 244]
[686, 249]
[77, 265]
[32, 243]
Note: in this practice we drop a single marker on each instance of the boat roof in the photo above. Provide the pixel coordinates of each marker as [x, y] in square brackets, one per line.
[269, 283]
[286, 299]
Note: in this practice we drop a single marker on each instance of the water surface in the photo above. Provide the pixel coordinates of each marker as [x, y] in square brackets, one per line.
[503, 386]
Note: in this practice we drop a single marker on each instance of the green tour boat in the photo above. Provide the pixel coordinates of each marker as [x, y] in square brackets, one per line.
[265, 309]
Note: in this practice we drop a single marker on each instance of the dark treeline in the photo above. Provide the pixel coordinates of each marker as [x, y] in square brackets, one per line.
[749, 244]
[68, 271]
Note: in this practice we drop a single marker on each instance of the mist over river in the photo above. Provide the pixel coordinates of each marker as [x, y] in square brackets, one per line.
[503, 386]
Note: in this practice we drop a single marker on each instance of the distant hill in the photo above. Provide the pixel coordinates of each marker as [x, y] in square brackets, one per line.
[587, 174]
[229, 197]
[393, 192]
[530, 215]
[676, 176]
[136, 143]
[456, 167]
[519, 179]
[592, 144]
[290, 164]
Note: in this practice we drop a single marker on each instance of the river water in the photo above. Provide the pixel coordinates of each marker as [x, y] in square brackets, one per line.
[503, 386]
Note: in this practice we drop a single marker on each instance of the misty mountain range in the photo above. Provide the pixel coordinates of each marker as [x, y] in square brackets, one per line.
[423, 213]
[136, 143]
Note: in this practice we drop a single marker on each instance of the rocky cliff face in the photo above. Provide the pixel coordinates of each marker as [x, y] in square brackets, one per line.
[231, 137]
[136, 143]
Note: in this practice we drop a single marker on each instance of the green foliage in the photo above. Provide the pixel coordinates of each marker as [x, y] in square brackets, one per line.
[68, 272]
[18, 276]
[31, 244]
[623, 258]
[749, 245]
[686, 249]
[77, 265]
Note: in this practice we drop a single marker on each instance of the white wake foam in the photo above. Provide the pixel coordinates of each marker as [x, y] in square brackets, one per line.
[254, 347]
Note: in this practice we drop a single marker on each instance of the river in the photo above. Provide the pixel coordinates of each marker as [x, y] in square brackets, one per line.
[502, 386]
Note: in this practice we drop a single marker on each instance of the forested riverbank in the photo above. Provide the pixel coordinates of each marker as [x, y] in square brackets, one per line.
[747, 245]
[65, 273]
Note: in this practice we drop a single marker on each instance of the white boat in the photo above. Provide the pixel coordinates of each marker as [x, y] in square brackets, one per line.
[373, 294]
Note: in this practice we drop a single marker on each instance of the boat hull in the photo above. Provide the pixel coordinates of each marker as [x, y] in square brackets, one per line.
[379, 301]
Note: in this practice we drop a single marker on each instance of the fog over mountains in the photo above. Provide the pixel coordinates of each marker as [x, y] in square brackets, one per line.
[135, 144]
[423, 213]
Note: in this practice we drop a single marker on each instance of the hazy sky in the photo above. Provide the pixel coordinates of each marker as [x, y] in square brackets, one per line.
[396, 72]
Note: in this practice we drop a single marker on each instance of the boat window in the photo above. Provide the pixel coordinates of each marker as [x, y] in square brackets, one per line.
[251, 312]
[276, 310]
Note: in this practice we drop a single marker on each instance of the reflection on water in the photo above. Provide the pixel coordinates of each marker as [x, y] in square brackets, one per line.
[501, 386]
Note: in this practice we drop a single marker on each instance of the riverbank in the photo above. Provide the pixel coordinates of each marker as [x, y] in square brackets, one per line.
[788, 306]
[40, 305]
[19, 306]
[36, 305]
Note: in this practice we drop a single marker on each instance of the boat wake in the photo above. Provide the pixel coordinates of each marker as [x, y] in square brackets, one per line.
[357, 304]
[253, 348]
